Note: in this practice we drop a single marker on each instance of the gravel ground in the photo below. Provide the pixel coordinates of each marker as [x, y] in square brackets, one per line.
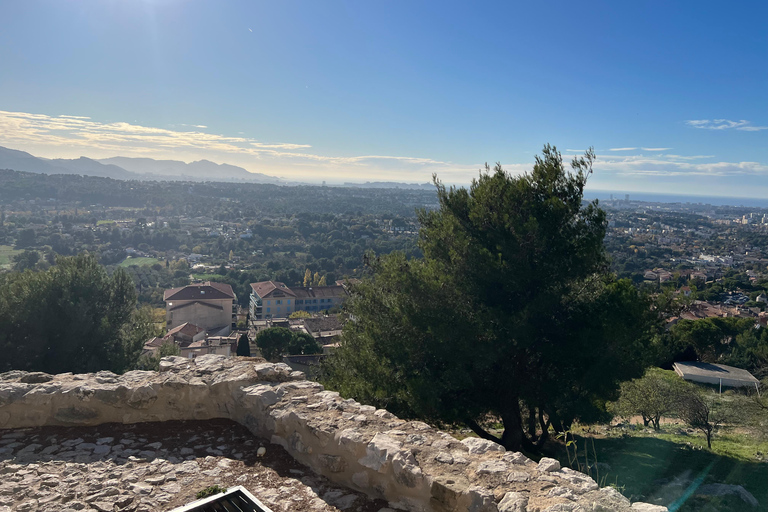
[156, 466]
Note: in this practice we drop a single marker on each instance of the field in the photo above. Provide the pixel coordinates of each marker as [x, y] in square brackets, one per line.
[6, 253]
[669, 469]
[127, 262]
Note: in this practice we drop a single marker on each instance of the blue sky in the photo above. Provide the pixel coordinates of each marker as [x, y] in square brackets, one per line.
[672, 95]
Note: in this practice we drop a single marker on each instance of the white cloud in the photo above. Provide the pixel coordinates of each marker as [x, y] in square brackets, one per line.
[689, 157]
[675, 165]
[725, 124]
[72, 136]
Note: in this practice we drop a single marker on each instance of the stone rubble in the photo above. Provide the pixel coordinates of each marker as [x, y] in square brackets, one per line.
[59, 470]
[407, 463]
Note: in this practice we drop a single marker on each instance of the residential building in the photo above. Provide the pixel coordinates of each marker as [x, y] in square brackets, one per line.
[273, 299]
[315, 299]
[210, 306]
[325, 329]
[185, 333]
[219, 345]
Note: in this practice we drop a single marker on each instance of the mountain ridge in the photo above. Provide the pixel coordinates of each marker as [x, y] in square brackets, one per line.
[144, 169]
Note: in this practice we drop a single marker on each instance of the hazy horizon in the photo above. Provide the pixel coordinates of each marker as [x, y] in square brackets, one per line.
[672, 98]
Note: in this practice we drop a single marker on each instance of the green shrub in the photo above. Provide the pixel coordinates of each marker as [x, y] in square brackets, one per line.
[210, 491]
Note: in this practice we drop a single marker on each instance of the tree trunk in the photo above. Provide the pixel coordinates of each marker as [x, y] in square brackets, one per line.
[532, 423]
[514, 438]
[709, 438]
[544, 428]
[480, 431]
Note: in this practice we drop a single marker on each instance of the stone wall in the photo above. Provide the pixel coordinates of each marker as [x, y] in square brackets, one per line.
[408, 463]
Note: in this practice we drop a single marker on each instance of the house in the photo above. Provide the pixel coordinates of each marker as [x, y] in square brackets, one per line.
[185, 333]
[325, 329]
[208, 305]
[182, 336]
[273, 299]
[219, 345]
[319, 298]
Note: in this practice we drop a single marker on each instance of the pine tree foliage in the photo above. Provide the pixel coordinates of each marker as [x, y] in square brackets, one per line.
[511, 315]
[73, 317]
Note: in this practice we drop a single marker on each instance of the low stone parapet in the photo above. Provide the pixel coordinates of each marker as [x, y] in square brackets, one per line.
[410, 464]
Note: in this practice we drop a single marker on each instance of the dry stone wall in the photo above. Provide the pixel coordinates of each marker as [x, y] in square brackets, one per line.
[408, 463]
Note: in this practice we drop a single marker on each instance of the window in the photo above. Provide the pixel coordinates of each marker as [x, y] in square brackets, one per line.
[268, 310]
[269, 302]
[315, 301]
[278, 302]
[288, 301]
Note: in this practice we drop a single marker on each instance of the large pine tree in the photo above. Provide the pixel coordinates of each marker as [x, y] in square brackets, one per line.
[511, 316]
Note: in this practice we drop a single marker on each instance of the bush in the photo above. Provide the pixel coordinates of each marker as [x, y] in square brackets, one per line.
[276, 342]
[210, 491]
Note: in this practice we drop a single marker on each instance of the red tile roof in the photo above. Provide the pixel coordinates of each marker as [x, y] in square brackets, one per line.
[319, 291]
[154, 343]
[200, 291]
[185, 328]
[206, 304]
[265, 288]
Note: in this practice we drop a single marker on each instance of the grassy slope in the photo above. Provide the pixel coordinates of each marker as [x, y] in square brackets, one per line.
[658, 468]
[127, 262]
[6, 253]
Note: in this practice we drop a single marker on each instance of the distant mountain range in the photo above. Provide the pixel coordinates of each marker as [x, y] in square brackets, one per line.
[202, 169]
[124, 168]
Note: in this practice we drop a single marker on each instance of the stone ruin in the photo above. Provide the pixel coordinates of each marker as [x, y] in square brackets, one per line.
[409, 464]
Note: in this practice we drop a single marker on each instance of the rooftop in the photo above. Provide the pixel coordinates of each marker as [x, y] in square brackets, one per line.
[693, 369]
[207, 290]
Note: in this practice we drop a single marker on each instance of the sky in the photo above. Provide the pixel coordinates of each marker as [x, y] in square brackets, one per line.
[673, 96]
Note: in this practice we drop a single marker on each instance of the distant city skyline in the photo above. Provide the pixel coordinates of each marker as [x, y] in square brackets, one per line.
[672, 97]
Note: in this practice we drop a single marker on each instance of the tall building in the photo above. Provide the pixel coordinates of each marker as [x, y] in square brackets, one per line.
[210, 306]
[273, 299]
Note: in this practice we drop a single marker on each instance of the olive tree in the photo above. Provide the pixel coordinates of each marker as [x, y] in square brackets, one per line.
[655, 394]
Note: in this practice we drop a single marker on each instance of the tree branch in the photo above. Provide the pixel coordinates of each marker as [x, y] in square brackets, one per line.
[480, 431]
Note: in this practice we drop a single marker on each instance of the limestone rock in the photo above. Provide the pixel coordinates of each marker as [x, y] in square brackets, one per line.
[408, 463]
[479, 446]
[513, 502]
[647, 507]
[381, 448]
[547, 464]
